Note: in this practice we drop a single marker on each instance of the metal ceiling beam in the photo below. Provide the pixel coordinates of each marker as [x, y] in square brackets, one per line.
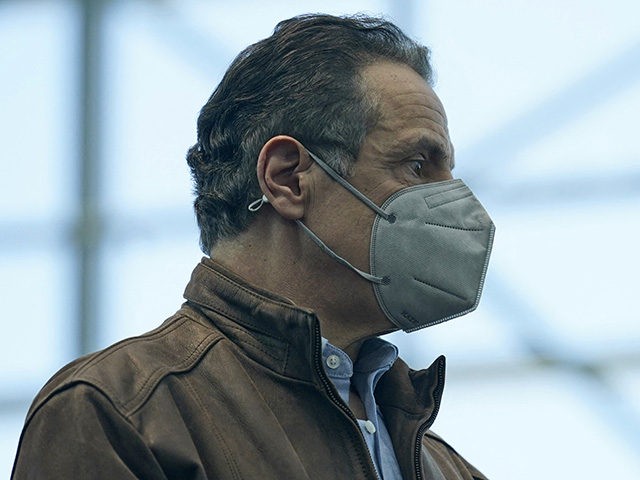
[486, 158]
[550, 350]
[89, 226]
[179, 222]
[559, 191]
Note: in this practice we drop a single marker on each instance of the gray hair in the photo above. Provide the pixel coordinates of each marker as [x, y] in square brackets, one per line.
[302, 81]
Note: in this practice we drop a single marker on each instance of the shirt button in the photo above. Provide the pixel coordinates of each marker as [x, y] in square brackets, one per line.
[370, 427]
[333, 361]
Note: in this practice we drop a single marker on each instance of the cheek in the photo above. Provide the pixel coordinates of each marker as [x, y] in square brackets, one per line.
[357, 239]
[442, 174]
[381, 190]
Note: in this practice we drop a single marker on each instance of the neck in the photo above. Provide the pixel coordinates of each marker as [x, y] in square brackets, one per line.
[275, 254]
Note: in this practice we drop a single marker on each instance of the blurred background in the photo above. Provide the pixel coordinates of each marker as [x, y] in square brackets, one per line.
[97, 237]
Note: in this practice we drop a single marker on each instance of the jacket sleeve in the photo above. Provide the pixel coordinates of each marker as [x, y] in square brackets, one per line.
[78, 433]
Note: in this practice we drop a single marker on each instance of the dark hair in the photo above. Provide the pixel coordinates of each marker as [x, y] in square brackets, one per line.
[302, 81]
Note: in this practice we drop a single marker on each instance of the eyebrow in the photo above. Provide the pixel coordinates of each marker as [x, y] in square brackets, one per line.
[434, 148]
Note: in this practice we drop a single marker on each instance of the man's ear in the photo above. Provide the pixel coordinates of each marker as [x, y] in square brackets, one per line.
[280, 162]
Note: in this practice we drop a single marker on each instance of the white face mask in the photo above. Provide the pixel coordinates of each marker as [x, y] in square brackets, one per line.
[429, 252]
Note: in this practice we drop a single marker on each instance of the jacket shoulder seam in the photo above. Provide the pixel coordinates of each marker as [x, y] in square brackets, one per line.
[150, 379]
[37, 407]
[61, 389]
[157, 333]
[154, 377]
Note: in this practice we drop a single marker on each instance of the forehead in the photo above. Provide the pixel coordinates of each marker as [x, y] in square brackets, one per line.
[410, 114]
[397, 86]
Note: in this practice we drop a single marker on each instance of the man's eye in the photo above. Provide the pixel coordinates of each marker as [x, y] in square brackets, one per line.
[416, 166]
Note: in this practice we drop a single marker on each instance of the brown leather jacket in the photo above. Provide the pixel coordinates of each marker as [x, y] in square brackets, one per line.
[230, 387]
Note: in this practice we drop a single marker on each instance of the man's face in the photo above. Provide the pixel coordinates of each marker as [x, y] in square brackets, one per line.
[409, 146]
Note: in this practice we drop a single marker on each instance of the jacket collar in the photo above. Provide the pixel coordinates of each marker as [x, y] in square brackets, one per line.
[269, 328]
[409, 401]
[286, 338]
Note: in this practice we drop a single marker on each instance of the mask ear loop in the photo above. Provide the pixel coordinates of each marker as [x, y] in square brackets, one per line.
[388, 217]
[256, 204]
[332, 173]
[336, 257]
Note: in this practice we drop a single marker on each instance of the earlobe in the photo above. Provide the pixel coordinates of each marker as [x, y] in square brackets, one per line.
[280, 162]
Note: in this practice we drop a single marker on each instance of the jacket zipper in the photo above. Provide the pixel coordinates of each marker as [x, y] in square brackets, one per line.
[337, 401]
[425, 426]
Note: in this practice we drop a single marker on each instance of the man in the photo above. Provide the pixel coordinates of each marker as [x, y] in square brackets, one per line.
[269, 369]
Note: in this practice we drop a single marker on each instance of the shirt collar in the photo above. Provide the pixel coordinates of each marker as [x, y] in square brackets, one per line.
[375, 358]
[375, 354]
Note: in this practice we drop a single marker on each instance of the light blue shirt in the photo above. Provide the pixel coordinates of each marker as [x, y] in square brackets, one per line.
[375, 358]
